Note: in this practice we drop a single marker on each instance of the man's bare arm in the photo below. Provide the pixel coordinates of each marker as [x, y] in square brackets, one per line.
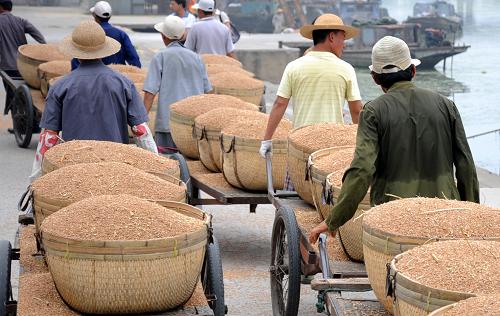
[355, 108]
[148, 100]
[279, 108]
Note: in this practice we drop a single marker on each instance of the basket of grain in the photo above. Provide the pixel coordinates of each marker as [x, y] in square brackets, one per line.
[242, 164]
[127, 69]
[207, 128]
[431, 276]
[220, 59]
[394, 227]
[121, 254]
[326, 168]
[305, 140]
[213, 69]
[184, 112]
[136, 78]
[37, 99]
[52, 69]
[484, 305]
[91, 151]
[51, 82]
[238, 85]
[73, 183]
[31, 56]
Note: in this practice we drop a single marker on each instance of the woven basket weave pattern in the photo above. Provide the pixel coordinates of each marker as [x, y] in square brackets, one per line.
[297, 164]
[182, 134]
[208, 142]
[28, 68]
[351, 237]
[253, 96]
[375, 263]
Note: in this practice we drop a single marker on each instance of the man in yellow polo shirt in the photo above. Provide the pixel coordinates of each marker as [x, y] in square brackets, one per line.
[318, 83]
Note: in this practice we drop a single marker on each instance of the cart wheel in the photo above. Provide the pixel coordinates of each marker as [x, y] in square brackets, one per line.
[23, 116]
[285, 264]
[185, 176]
[5, 287]
[212, 278]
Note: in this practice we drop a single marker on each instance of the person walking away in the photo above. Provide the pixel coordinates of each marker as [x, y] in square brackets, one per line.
[409, 141]
[208, 35]
[13, 30]
[93, 102]
[179, 9]
[127, 54]
[175, 73]
[318, 83]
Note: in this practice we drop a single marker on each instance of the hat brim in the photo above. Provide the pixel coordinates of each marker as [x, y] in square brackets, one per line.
[159, 27]
[350, 31]
[413, 61]
[110, 47]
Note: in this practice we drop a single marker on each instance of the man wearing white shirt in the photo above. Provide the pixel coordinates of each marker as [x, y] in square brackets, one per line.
[178, 8]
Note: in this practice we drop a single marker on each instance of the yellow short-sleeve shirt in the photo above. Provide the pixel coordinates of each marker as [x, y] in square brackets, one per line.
[318, 83]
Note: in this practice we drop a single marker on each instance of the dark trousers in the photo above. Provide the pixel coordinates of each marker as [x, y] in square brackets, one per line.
[9, 92]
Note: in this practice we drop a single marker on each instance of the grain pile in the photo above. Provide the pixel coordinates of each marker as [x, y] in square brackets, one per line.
[216, 119]
[456, 265]
[487, 305]
[38, 296]
[118, 217]
[391, 228]
[137, 78]
[220, 59]
[42, 52]
[127, 69]
[335, 163]
[55, 68]
[238, 85]
[90, 151]
[305, 140]
[243, 166]
[27, 245]
[213, 69]
[77, 182]
[184, 112]
[434, 218]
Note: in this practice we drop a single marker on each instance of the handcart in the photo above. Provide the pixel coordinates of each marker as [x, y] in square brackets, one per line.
[25, 111]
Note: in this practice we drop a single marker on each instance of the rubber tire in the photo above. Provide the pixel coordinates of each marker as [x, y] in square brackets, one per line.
[285, 219]
[5, 264]
[185, 175]
[213, 278]
[23, 102]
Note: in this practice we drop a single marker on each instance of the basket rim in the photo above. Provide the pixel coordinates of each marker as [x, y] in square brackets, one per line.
[314, 170]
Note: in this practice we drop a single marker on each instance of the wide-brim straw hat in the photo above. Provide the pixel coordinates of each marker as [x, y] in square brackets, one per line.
[88, 41]
[328, 21]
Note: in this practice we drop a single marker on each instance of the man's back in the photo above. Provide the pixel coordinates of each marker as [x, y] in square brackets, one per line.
[209, 36]
[420, 137]
[12, 35]
[93, 102]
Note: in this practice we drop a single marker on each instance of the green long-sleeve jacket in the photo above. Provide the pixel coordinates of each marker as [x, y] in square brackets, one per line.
[408, 142]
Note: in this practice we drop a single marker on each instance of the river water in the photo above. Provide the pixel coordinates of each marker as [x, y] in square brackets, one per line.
[472, 81]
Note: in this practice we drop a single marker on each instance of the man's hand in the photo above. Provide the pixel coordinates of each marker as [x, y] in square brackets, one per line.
[144, 138]
[316, 231]
[266, 146]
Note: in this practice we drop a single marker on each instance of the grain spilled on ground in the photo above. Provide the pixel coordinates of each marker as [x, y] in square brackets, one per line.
[468, 266]
[121, 217]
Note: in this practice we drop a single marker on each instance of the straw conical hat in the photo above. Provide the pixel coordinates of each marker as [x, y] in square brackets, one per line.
[88, 41]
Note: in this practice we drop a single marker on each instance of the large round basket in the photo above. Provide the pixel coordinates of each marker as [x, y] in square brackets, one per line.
[213, 69]
[220, 60]
[415, 298]
[52, 69]
[325, 194]
[484, 305]
[381, 246]
[184, 112]
[242, 165]
[91, 151]
[31, 56]
[44, 204]
[111, 277]
[323, 135]
[127, 69]
[238, 85]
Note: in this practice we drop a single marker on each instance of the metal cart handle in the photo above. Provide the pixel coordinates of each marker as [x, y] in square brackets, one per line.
[323, 255]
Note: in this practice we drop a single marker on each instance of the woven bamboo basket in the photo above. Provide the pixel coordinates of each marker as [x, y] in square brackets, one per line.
[213, 69]
[128, 69]
[484, 305]
[380, 246]
[238, 85]
[31, 56]
[52, 69]
[68, 153]
[414, 298]
[327, 135]
[242, 165]
[45, 204]
[209, 143]
[100, 276]
[183, 114]
[325, 194]
[220, 59]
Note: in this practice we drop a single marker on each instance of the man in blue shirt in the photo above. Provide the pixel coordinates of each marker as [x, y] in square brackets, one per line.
[93, 102]
[178, 8]
[175, 73]
[127, 53]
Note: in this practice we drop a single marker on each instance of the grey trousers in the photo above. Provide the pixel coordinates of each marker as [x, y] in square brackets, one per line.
[165, 142]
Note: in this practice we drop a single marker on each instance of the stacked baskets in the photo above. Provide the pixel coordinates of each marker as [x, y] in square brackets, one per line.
[52, 69]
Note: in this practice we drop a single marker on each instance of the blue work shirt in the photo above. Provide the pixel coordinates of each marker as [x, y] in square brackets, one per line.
[127, 53]
[176, 73]
[93, 102]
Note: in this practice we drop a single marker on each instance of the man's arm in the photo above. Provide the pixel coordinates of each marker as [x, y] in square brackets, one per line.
[467, 182]
[148, 100]
[131, 56]
[355, 108]
[34, 32]
[279, 108]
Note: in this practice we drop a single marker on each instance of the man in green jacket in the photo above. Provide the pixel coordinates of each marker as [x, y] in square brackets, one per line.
[409, 141]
